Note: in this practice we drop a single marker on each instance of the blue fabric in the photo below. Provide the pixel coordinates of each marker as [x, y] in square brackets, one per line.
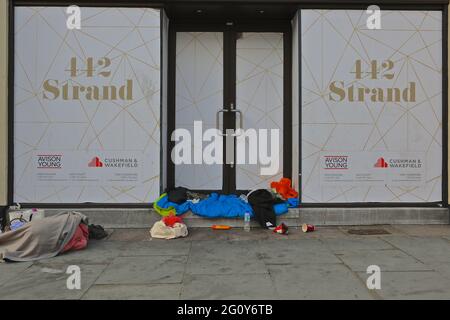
[280, 208]
[16, 225]
[221, 206]
[292, 202]
[179, 208]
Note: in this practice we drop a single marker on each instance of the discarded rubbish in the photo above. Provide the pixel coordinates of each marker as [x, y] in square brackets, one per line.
[281, 229]
[220, 227]
[247, 222]
[162, 231]
[308, 227]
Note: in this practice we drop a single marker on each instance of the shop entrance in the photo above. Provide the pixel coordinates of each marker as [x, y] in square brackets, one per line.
[231, 77]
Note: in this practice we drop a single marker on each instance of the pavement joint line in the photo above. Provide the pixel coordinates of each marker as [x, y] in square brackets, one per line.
[354, 273]
[405, 252]
[153, 255]
[372, 293]
[184, 270]
[272, 279]
[93, 282]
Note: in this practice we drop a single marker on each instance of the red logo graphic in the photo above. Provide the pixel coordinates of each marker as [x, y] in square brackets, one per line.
[95, 163]
[381, 163]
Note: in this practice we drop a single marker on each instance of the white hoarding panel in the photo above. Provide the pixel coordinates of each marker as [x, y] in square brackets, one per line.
[87, 105]
[371, 110]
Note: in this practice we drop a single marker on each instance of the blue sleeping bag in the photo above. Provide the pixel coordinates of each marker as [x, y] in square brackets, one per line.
[217, 206]
[221, 206]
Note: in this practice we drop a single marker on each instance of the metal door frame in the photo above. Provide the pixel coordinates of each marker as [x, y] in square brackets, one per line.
[230, 30]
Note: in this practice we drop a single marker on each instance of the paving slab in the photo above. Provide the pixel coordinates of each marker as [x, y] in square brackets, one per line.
[317, 281]
[387, 260]
[9, 270]
[144, 270]
[412, 285]
[198, 234]
[224, 257]
[355, 243]
[218, 287]
[319, 233]
[424, 231]
[425, 249]
[156, 247]
[130, 235]
[239, 234]
[48, 281]
[133, 292]
[295, 252]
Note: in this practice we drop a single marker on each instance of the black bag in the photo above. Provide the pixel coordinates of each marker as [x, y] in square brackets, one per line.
[96, 232]
[177, 195]
[262, 203]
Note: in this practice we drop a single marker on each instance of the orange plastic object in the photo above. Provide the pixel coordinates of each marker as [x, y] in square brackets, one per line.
[220, 227]
[283, 187]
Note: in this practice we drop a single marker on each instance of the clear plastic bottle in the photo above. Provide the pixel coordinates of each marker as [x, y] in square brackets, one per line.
[247, 222]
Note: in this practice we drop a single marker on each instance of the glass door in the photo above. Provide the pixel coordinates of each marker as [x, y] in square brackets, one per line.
[199, 97]
[259, 97]
[230, 80]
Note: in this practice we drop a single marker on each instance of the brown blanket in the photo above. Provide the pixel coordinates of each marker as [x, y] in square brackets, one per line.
[40, 239]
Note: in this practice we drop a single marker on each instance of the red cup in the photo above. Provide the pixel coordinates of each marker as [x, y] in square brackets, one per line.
[308, 227]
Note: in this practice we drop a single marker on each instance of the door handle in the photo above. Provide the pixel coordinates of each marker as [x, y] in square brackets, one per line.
[241, 121]
[218, 121]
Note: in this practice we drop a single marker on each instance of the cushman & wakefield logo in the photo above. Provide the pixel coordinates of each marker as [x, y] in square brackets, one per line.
[96, 162]
[399, 163]
[381, 163]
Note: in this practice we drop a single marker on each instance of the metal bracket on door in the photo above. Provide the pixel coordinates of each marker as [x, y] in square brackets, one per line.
[241, 122]
[218, 121]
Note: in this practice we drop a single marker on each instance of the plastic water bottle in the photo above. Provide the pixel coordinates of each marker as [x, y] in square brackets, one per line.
[247, 221]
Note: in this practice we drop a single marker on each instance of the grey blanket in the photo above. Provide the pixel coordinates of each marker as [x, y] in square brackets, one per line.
[40, 239]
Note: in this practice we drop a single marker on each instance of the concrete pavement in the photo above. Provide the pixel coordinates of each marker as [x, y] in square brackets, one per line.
[327, 264]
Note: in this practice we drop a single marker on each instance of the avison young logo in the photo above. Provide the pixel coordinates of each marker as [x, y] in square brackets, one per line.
[336, 162]
[49, 161]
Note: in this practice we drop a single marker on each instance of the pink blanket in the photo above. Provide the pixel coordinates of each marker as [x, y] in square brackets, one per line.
[79, 240]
